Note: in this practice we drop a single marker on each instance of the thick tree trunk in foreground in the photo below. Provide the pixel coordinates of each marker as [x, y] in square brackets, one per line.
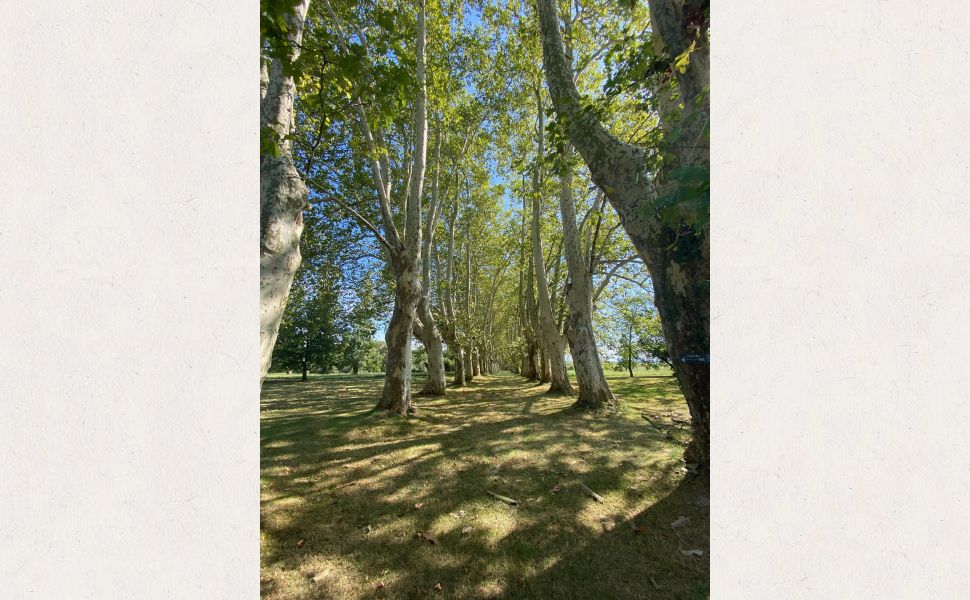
[594, 391]
[677, 257]
[408, 262]
[282, 196]
[404, 251]
[396, 396]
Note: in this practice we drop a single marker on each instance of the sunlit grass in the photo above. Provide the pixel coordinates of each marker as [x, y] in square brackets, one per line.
[345, 491]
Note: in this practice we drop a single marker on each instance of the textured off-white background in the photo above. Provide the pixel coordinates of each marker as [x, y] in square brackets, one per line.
[129, 182]
[128, 352]
[841, 300]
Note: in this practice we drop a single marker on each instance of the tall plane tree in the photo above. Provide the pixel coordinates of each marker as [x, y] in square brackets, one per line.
[676, 254]
[594, 391]
[403, 249]
[425, 327]
[551, 339]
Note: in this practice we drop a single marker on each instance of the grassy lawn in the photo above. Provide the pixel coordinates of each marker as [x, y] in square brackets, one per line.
[346, 491]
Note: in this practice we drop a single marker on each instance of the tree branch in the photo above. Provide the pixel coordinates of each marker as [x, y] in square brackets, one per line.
[363, 221]
[610, 274]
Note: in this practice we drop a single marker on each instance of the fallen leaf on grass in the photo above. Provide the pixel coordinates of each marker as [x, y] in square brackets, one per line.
[419, 505]
[680, 522]
[300, 543]
[381, 585]
[437, 587]
[555, 488]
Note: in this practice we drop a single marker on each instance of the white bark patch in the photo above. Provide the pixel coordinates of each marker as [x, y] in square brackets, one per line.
[677, 278]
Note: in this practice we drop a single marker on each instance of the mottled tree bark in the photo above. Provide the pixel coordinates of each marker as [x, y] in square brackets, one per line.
[282, 197]
[476, 361]
[406, 257]
[404, 251]
[551, 339]
[469, 372]
[450, 322]
[396, 396]
[677, 257]
[429, 335]
[594, 391]
[434, 385]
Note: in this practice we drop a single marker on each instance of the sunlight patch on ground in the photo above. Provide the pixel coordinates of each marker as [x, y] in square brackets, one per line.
[346, 492]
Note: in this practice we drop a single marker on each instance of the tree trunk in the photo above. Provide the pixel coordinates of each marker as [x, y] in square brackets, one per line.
[434, 385]
[448, 294]
[530, 369]
[545, 368]
[396, 396]
[594, 391]
[282, 196]
[406, 255]
[306, 360]
[469, 373]
[677, 256]
[551, 339]
[629, 350]
[459, 357]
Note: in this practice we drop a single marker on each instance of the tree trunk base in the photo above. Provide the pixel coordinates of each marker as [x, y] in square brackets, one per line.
[694, 454]
[558, 392]
[433, 392]
[596, 405]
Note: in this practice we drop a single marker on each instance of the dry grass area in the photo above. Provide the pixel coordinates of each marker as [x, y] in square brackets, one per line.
[346, 491]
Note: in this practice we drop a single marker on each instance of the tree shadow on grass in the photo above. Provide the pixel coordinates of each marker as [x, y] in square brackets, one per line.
[641, 556]
[343, 501]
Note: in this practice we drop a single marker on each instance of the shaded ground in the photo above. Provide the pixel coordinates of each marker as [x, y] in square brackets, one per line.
[345, 491]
